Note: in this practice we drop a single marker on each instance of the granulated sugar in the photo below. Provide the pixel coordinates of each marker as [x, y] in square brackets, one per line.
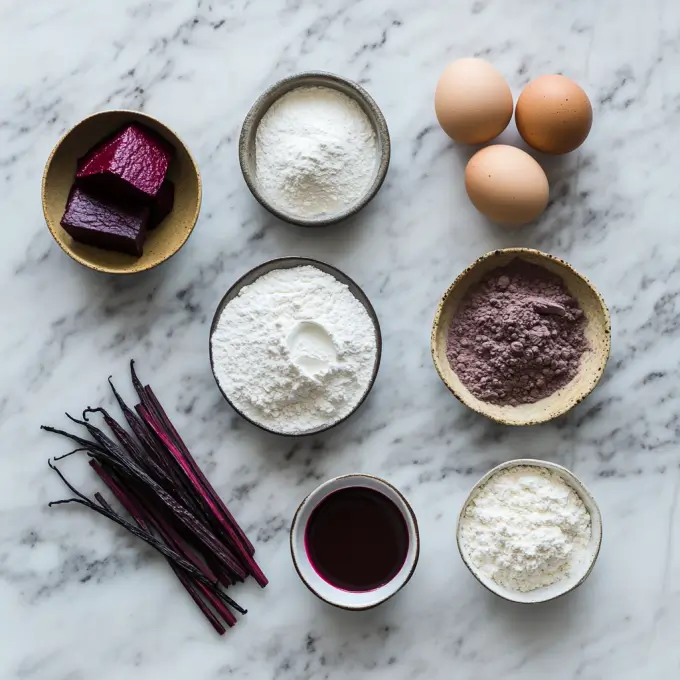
[518, 335]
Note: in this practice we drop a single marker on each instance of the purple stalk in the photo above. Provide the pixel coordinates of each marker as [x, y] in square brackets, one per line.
[207, 612]
[191, 522]
[155, 457]
[126, 441]
[183, 578]
[102, 501]
[128, 503]
[207, 487]
[137, 426]
[135, 531]
[134, 507]
[149, 400]
[219, 606]
[180, 484]
[118, 493]
[175, 509]
[249, 562]
[169, 535]
[204, 508]
[112, 452]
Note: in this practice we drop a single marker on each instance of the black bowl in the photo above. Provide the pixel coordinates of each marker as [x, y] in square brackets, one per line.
[289, 263]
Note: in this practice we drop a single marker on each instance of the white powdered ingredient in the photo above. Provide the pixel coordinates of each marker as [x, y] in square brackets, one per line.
[315, 152]
[526, 528]
[295, 350]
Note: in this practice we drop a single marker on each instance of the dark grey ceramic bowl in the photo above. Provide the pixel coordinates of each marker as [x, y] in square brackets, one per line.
[288, 263]
[246, 146]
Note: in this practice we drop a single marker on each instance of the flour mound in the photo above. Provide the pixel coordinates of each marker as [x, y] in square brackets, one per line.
[315, 152]
[526, 528]
[288, 383]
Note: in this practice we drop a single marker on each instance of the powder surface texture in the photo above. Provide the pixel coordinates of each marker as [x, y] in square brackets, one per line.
[518, 336]
[315, 152]
[295, 350]
[526, 528]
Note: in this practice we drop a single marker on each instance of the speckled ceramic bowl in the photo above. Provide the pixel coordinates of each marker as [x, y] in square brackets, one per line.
[338, 597]
[287, 263]
[246, 147]
[163, 241]
[581, 570]
[593, 362]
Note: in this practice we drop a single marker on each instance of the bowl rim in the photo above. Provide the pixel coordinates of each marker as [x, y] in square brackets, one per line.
[353, 480]
[541, 255]
[576, 484]
[278, 90]
[103, 268]
[297, 261]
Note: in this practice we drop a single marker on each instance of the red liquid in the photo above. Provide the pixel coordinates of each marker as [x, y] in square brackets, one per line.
[357, 539]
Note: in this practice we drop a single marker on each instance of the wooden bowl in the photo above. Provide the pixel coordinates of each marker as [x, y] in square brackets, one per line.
[598, 334]
[166, 239]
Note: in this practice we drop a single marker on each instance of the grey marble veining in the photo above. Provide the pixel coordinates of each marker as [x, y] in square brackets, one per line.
[82, 600]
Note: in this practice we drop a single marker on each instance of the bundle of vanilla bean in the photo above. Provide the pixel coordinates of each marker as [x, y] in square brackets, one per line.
[172, 506]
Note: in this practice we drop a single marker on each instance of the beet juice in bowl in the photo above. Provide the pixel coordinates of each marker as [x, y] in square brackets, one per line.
[354, 541]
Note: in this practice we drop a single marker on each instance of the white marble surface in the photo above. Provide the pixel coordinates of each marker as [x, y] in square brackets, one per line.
[79, 599]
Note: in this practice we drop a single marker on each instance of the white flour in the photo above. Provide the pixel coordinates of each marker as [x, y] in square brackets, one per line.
[295, 350]
[315, 152]
[526, 528]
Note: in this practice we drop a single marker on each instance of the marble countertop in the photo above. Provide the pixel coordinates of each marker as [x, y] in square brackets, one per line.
[82, 600]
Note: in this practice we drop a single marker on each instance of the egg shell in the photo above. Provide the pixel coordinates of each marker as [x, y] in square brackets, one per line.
[473, 102]
[507, 185]
[553, 114]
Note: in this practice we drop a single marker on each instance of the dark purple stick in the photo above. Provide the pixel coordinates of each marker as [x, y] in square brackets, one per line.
[250, 563]
[119, 460]
[135, 511]
[197, 470]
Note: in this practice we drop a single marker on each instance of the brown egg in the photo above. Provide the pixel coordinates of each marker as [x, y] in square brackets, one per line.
[507, 185]
[473, 102]
[553, 114]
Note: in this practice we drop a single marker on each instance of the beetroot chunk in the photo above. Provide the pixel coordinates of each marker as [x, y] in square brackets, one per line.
[132, 164]
[101, 223]
[162, 205]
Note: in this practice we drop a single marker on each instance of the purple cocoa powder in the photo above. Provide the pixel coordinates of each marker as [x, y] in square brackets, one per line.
[517, 336]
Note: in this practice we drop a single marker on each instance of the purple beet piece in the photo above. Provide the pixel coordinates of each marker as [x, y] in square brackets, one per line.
[162, 205]
[101, 223]
[132, 164]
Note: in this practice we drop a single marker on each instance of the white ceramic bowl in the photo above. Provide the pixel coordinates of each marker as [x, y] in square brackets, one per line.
[321, 588]
[580, 571]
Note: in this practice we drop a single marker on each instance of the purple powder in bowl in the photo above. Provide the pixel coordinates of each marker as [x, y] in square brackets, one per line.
[518, 335]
